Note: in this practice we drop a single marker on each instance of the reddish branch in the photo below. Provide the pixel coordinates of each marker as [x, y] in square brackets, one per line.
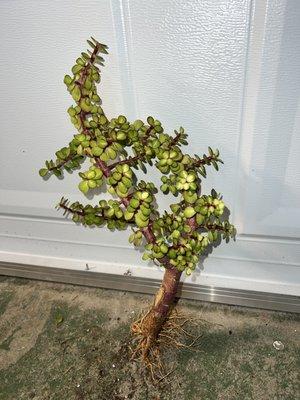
[175, 140]
[147, 135]
[151, 325]
[192, 223]
[149, 235]
[83, 75]
[103, 166]
[202, 161]
[82, 213]
[69, 210]
[84, 71]
[63, 162]
[130, 160]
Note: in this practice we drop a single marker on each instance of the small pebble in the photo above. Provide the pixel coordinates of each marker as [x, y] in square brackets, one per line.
[278, 345]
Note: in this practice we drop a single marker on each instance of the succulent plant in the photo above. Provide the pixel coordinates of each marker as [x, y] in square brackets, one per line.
[116, 148]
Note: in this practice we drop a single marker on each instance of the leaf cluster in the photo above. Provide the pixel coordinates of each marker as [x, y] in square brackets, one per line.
[116, 148]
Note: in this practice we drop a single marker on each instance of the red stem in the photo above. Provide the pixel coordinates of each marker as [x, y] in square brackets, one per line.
[83, 75]
[63, 162]
[128, 160]
[104, 167]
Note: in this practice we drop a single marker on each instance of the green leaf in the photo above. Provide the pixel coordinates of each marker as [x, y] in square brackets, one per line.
[214, 194]
[77, 68]
[43, 172]
[76, 218]
[131, 238]
[57, 172]
[67, 80]
[83, 187]
[146, 256]
[215, 165]
[85, 56]
[76, 94]
[150, 121]
[202, 171]
[91, 44]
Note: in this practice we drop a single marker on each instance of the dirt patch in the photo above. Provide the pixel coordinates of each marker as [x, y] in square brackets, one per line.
[65, 342]
[5, 297]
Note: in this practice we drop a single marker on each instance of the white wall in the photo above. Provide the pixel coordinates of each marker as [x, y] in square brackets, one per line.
[226, 70]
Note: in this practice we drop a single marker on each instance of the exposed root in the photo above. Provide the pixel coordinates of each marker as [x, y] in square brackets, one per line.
[149, 349]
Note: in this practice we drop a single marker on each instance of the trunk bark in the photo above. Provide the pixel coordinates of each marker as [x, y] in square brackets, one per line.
[154, 320]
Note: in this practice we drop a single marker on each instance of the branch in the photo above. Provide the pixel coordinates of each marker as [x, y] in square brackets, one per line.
[148, 233]
[202, 161]
[130, 160]
[83, 75]
[214, 227]
[67, 209]
[192, 224]
[63, 162]
[147, 135]
[175, 140]
[70, 210]
[89, 62]
[103, 166]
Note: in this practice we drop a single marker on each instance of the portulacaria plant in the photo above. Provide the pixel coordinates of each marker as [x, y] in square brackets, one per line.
[116, 147]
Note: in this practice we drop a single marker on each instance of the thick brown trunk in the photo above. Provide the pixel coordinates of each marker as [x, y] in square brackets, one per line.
[154, 320]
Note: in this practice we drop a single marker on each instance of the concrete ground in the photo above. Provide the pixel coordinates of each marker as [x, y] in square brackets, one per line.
[64, 342]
